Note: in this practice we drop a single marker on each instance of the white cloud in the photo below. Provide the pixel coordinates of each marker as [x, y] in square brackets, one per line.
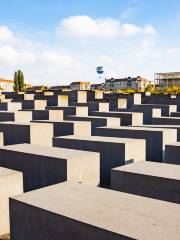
[8, 55]
[131, 29]
[6, 35]
[172, 50]
[85, 26]
[64, 60]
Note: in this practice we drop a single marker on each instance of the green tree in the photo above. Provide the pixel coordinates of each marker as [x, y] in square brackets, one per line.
[149, 88]
[16, 83]
[19, 81]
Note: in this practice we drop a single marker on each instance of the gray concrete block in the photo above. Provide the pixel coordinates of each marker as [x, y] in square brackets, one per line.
[48, 93]
[94, 106]
[177, 127]
[34, 133]
[95, 214]
[156, 138]
[44, 166]
[10, 106]
[28, 96]
[165, 109]
[78, 96]
[127, 118]
[113, 151]
[11, 184]
[175, 114]
[96, 121]
[34, 104]
[149, 179]
[71, 110]
[172, 153]
[56, 100]
[63, 128]
[148, 113]
[122, 103]
[166, 121]
[113, 99]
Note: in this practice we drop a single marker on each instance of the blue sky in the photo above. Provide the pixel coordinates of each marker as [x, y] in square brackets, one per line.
[56, 42]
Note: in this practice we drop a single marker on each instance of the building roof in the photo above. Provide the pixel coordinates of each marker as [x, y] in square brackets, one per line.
[6, 81]
[168, 73]
[74, 83]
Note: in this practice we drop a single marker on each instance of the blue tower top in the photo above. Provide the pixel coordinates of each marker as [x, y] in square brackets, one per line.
[100, 70]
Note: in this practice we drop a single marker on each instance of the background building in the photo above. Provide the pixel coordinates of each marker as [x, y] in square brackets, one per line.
[80, 86]
[136, 83]
[98, 86]
[165, 80]
[6, 85]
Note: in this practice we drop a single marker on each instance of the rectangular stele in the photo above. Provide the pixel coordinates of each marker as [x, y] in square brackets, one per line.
[149, 179]
[113, 151]
[77, 211]
[156, 138]
[11, 184]
[43, 166]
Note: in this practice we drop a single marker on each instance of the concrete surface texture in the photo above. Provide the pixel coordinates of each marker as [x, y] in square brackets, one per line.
[11, 183]
[43, 166]
[95, 214]
[113, 151]
[95, 121]
[124, 141]
[34, 104]
[10, 106]
[64, 128]
[127, 118]
[166, 120]
[165, 109]
[156, 138]
[149, 179]
[172, 153]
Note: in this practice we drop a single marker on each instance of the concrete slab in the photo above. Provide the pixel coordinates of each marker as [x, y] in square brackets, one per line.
[28, 96]
[175, 114]
[64, 128]
[95, 121]
[94, 106]
[113, 99]
[44, 166]
[34, 133]
[78, 96]
[34, 104]
[165, 109]
[156, 138]
[172, 153]
[95, 214]
[166, 121]
[113, 151]
[177, 127]
[127, 118]
[56, 100]
[11, 183]
[122, 103]
[148, 179]
[10, 106]
[148, 113]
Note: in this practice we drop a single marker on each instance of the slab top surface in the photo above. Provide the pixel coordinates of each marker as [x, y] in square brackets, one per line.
[103, 139]
[152, 169]
[139, 128]
[160, 126]
[126, 214]
[5, 172]
[47, 151]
